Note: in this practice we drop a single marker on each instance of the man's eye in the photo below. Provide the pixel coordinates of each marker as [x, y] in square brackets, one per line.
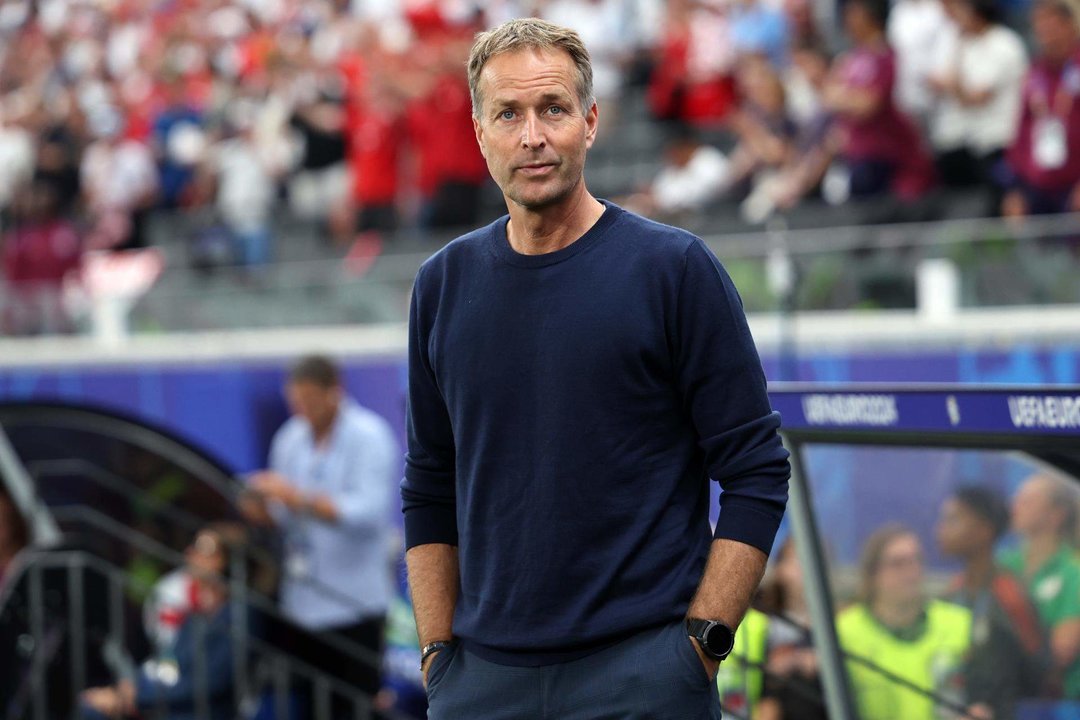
[555, 110]
[507, 115]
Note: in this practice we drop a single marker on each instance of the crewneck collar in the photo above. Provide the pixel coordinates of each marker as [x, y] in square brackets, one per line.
[500, 244]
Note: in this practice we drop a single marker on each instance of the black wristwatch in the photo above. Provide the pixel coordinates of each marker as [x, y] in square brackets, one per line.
[714, 637]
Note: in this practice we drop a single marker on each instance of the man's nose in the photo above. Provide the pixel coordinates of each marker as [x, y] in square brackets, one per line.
[532, 132]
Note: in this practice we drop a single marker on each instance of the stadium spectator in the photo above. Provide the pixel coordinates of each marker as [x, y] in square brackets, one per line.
[792, 689]
[39, 250]
[196, 670]
[179, 142]
[1044, 515]
[505, 416]
[375, 134]
[691, 80]
[1045, 156]
[16, 160]
[977, 83]
[758, 28]
[896, 628]
[1007, 659]
[917, 31]
[333, 470]
[451, 172]
[119, 181]
[880, 145]
[693, 175]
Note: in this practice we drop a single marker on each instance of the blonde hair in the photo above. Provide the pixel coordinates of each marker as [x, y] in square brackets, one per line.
[533, 34]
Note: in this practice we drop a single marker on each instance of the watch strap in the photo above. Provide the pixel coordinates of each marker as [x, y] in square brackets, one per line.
[432, 648]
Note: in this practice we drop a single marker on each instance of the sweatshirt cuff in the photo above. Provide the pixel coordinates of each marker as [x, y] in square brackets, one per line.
[430, 524]
[749, 521]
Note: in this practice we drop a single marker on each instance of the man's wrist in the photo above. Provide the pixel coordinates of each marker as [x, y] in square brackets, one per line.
[430, 650]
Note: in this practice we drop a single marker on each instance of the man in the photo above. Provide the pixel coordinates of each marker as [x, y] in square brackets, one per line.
[1044, 515]
[577, 373]
[1006, 661]
[1044, 159]
[333, 466]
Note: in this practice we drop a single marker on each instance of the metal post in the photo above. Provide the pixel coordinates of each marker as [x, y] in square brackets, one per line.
[37, 632]
[76, 625]
[238, 609]
[322, 698]
[202, 694]
[818, 596]
[21, 486]
[281, 689]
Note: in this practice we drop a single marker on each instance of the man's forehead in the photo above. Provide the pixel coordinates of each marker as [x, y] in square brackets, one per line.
[529, 69]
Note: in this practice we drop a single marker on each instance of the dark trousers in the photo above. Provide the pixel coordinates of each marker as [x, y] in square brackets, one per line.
[369, 635]
[655, 674]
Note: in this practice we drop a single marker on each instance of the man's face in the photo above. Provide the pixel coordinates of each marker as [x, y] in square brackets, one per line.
[1054, 29]
[206, 557]
[1031, 507]
[314, 403]
[531, 128]
[959, 530]
[900, 571]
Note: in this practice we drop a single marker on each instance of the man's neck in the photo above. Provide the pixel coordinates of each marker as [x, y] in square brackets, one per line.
[551, 229]
[1038, 550]
[897, 616]
[979, 572]
[322, 434]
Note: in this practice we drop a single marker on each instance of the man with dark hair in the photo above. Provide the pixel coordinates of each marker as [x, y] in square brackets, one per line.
[577, 374]
[333, 469]
[1007, 657]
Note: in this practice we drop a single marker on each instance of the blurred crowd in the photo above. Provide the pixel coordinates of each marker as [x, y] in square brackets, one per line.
[998, 640]
[354, 115]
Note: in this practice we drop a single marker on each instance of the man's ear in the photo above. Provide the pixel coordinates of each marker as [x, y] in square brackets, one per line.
[592, 120]
[479, 130]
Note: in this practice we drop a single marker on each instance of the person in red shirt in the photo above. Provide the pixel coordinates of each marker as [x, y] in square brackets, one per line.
[1044, 160]
[374, 136]
[881, 146]
[451, 172]
[39, 250]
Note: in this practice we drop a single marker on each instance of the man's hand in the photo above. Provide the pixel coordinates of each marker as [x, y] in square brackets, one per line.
[275, 486]
[1014, 206]
[712, 667]
[105, 700]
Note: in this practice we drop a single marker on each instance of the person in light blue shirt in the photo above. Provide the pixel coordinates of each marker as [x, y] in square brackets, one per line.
[334, 471]
[757, 29]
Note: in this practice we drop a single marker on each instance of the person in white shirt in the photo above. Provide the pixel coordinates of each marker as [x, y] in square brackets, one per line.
[333, 478]
[917, 30]
[978, 83]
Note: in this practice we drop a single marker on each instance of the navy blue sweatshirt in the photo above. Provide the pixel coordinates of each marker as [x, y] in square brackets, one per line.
[566, 412]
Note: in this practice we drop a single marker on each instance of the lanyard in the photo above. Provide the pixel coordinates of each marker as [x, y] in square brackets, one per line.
[1067, 88]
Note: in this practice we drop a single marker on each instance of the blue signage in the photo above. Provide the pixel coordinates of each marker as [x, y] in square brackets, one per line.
[1027, 410]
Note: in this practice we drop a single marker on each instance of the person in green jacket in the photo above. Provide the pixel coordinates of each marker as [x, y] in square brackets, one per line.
[1045, 516]
[895, 627]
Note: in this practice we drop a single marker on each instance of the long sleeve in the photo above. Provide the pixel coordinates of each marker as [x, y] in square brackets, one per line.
[723, 388]
[428, 489]
[363, 499]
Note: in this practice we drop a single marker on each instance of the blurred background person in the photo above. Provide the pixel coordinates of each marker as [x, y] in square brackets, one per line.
[792, 688]
[1044, 516]
[1007, 660]
[896, 627]
[1044, 158]
[917, 30]
[197, 666]
[334, 467]
[977, 85]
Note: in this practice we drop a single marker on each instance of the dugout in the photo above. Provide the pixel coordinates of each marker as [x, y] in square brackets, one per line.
[867, 456]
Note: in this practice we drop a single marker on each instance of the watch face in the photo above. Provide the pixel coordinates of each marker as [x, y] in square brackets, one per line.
[719, 640]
